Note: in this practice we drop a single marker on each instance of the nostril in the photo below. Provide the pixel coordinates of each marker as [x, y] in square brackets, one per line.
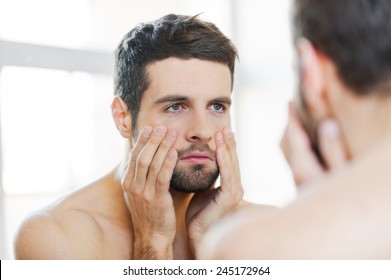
[195, 138]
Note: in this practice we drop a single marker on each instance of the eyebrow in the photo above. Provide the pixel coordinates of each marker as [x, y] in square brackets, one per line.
[223, 99]
[171, 98]
[181, 98]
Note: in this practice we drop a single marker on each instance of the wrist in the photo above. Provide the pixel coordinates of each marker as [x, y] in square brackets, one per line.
[152, 250]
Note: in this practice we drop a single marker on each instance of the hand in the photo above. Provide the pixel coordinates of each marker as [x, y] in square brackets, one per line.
[305, 164]
[146, 183]
[207, 207]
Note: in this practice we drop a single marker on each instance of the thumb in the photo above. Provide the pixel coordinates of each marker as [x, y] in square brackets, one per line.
[332, 145]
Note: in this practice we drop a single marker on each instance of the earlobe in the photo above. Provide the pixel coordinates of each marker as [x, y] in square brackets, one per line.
[122, 117]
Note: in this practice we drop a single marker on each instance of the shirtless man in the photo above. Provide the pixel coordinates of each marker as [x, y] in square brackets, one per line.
[173, 83]
[343, 212]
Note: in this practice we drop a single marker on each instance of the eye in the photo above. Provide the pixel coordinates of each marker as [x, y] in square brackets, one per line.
[218, 107]
[174, 107]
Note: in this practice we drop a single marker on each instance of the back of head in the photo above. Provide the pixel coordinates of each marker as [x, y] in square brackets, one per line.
[354, 34]
[177, 36]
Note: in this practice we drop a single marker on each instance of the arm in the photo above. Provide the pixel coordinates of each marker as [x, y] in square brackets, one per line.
[146, 184]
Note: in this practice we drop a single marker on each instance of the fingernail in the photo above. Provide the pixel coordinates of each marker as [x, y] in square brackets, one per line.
[170, 134]
[171, 154]
[330, 129]
[228, 134]
[219, 137]
[147, 131]
[159, 130]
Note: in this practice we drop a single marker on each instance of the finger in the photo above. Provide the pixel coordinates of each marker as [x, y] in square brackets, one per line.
[236, 183]
[295, 135]
[145, 157]
[133, 154]
[230, 142]
[332, 145]
[298, 151]
[224, 162]
[164, 177]
[158, 160]
[295, 141]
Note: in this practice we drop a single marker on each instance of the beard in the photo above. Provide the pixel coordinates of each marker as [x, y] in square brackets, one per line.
[197, 177]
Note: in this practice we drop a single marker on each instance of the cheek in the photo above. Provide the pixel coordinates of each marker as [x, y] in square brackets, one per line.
[155, 120]
[174, 123]
[221, 121]
[225, 123]
[222, 126]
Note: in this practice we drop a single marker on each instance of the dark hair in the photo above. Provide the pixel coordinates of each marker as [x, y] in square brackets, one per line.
[354, 34]
[170, 36]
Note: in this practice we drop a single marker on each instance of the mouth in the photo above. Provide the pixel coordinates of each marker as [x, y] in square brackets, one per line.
[197, 158]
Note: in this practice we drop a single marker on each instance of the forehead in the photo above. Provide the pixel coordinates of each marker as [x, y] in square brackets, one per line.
[190, 77]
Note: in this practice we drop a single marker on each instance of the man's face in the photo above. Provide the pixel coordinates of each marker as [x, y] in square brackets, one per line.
[192, 97]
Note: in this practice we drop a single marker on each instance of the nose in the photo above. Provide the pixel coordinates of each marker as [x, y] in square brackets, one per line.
[199, 128]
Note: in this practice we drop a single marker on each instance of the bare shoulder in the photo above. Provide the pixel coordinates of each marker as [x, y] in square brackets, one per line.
[54, 233]
[245, 205]
[91, 223]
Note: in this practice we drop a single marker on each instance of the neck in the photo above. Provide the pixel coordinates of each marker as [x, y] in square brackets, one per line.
[365, 122]
[181, 242]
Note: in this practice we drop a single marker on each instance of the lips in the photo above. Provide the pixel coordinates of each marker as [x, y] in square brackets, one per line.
[197, 158]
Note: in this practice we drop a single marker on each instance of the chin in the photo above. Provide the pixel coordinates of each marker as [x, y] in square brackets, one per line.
[194, 179]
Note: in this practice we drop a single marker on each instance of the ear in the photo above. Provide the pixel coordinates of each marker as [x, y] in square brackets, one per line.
[312, 77]
[122, 117]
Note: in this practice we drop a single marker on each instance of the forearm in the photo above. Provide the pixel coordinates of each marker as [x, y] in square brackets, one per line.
[149, 251]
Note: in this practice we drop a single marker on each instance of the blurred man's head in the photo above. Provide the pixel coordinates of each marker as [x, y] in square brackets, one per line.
[344, 56]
